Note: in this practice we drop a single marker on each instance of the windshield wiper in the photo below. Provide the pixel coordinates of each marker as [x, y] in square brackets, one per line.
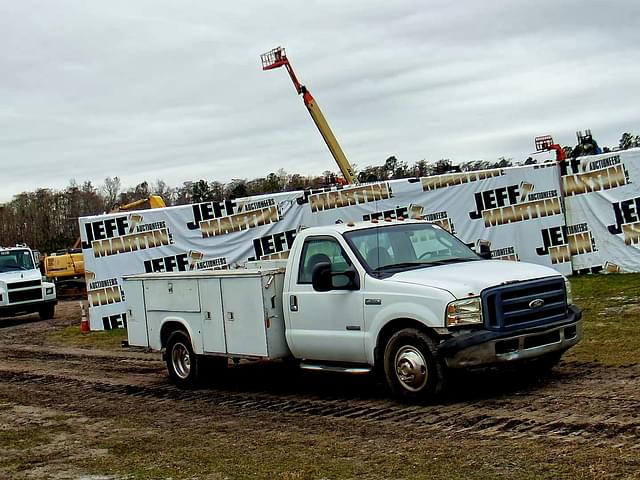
[401, 265]
[452, 260]
[393, 266]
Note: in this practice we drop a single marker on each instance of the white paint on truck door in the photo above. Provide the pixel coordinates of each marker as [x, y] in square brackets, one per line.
[244, 316]
[213, 338]
[324, 325]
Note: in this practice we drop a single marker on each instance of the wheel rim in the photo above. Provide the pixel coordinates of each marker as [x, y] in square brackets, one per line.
[181, 360]
[411, 368]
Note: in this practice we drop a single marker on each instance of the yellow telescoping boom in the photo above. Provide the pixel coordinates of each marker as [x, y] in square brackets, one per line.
[277, 58]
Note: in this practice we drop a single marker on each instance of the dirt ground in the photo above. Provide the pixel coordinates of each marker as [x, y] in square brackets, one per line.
[81, 413]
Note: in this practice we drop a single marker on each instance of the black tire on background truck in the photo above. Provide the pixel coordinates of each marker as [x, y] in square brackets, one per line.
[183, 364]
[47, 312]
[412, 368]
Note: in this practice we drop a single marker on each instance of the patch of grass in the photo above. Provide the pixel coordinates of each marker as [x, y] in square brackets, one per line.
[139, 448]
[264, 453]
[24, 448]
[23, 438]
[73, 337]
[611, 314]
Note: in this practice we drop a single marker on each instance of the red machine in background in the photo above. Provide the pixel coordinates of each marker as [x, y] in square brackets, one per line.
[545, 143]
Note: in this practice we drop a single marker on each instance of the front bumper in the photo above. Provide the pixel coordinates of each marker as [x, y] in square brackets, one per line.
[23, 308]
[486, 347]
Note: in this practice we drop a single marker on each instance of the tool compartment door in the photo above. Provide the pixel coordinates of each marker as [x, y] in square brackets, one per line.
[172, 295]
[213, 339]
[244, 316]
[137, 318]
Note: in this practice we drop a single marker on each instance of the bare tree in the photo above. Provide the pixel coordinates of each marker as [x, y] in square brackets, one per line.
[111, 190]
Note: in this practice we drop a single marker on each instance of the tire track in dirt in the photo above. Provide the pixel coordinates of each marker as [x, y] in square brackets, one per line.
[578, 406]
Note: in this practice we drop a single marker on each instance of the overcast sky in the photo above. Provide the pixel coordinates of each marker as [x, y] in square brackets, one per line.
[155, 89]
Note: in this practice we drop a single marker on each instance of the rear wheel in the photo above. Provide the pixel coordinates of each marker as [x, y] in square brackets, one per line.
[47, 312]
[413, 370]
[183, 364]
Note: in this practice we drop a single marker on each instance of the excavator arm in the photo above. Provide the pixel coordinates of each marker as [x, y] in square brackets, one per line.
[155, 201]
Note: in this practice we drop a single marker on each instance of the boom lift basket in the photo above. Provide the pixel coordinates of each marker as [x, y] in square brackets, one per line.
[273, 58]
[543, 143]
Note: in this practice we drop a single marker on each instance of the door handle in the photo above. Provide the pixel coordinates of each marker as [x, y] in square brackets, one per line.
[293, 303]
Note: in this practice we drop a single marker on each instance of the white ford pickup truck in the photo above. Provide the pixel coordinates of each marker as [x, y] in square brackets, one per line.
[21, 287]
[404, 298]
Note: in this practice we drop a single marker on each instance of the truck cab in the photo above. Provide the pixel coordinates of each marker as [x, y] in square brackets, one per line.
[22, 289]
[404, 298]
[409, 298]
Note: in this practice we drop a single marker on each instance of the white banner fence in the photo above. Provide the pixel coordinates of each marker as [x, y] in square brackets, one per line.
[521, 210]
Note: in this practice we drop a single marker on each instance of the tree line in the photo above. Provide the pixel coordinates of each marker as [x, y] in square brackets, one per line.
[47, 219]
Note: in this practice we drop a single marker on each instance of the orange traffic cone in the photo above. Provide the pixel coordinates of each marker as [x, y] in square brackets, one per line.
[84, 323]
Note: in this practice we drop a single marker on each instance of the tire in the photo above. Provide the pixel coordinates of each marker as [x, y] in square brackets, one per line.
[412, 368]
[47, 312]
[183, 364]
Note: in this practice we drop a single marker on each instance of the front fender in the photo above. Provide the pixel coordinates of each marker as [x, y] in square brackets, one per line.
[45, 286]
[427, 311]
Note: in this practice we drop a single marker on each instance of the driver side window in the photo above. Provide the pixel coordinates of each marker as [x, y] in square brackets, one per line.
[316, 250]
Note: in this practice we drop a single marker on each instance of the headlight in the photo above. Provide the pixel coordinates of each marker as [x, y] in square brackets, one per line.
[567, 286]
[467, 311]
[48, 291]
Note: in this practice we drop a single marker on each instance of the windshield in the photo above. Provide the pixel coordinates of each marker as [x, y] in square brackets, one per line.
[406, 246]
[11, 260]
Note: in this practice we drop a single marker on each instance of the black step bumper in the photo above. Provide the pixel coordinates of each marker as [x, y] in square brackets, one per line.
[24, 308]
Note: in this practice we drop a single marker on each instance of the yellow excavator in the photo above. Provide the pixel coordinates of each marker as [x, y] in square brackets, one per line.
[66, 267]
[278, 58]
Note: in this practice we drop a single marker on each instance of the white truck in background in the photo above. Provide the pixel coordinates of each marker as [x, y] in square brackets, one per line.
[401, 297]
[22, 289]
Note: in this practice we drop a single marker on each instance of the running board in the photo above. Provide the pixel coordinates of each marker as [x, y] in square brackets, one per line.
[335, 368]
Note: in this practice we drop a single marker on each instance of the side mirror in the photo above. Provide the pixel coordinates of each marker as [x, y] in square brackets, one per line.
[321, 277]
[323, 280]
[484, 249]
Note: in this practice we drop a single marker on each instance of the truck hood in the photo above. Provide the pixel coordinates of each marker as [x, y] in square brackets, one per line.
[470, 278]
[19, 276]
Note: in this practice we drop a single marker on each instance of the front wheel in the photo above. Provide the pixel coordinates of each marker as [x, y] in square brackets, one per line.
[182, 363]
[47, 312]
[413, 370]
